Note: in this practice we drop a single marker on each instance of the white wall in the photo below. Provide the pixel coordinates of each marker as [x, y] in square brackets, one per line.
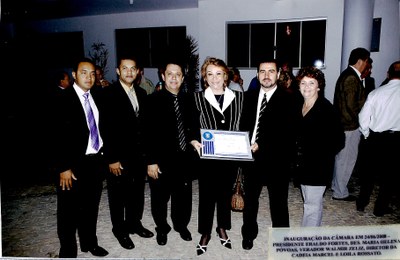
[214, 14]
[389, 50]
[207, 24]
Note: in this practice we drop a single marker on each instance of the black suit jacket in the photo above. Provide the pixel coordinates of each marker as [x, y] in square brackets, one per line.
[73, 133]
[276, 136]
[162, 145]
[122, 134]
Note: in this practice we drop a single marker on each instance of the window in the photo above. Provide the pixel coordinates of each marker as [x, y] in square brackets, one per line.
[150, 45]
[376, 34]
[300, 43]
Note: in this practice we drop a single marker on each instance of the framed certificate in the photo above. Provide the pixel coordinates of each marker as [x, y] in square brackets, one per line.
[225, 145]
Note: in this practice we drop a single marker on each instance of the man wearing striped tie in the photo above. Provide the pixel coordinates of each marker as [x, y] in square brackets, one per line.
[268, 115]
[168, 157]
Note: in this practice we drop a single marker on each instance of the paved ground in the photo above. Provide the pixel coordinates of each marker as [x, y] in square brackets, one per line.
[29, 226]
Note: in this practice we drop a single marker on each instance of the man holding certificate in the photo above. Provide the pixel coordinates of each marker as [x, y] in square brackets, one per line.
[215, 108]
[268, 115]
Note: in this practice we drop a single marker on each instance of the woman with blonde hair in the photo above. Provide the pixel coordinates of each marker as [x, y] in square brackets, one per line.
[215, 108]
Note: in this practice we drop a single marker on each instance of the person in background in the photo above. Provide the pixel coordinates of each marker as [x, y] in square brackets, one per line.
[369, 84]
[253, 84]
[144, 82]
[101, 82]
[349, 97]
[124, 151]
[216, 108]
[79, 162]
[368, 81]
[287, 82]
[319, 138]
[273, 146]
[59, 82]
[63, 81]
[169, 161]
[160, 84]
[235, 81]
[236, 76]
[380, 125]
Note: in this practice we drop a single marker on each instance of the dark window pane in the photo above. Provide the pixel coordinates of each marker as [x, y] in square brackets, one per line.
[288, 43]
[149, 45]
[127, 43]
[376, 34]
[300, 43]
[262, 42]
[238, 45]
[313, 42]
[165, 41]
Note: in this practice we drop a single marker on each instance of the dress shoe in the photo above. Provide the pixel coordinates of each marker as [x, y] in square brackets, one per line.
[348, 198]
[201, 247]
[247, 244]
[223, 238]
[97, 251]
[380, 213]
[360, 208]
[142, 232]
[162, 239]
[125, 242]
[185, 234]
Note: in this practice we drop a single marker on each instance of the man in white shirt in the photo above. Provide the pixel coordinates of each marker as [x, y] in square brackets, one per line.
[380, 124]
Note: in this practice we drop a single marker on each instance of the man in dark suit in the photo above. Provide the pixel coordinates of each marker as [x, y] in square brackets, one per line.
[125, 105]
[79, 163]
[272, 144]
[168, 157]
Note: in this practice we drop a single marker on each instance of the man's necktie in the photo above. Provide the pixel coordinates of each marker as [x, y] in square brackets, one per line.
[132, 97]
[94, 134]
[179, 123]
[262, 109]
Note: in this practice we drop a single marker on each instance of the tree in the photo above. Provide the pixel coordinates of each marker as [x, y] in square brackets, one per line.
[99, 55]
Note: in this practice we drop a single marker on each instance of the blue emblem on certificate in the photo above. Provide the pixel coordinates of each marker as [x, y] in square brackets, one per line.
[208, 143]
[225, 145]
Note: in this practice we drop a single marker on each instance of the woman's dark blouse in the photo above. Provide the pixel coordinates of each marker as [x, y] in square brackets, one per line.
[320, 136]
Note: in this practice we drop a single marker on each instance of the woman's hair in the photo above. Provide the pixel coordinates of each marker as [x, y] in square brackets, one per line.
[312, 72]
[216, 62]
[284, 77]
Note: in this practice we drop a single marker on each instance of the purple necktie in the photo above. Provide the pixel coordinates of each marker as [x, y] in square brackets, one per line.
[94, 135]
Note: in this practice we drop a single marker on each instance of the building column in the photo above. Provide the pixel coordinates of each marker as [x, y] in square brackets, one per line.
[357, 27]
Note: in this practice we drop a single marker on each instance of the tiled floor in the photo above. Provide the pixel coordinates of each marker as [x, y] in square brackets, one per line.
[29, 226]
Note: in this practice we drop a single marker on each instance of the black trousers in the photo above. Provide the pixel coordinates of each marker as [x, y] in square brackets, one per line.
[77, 208]
[380, 166]
[278, 190]
[216, 180]
[126, 198]
[174, 183]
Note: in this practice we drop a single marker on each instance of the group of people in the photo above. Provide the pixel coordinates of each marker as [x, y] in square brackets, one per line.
[121, 134]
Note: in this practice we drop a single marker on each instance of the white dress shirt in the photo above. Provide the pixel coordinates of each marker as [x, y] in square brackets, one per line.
[381, 111]
[260, 97]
